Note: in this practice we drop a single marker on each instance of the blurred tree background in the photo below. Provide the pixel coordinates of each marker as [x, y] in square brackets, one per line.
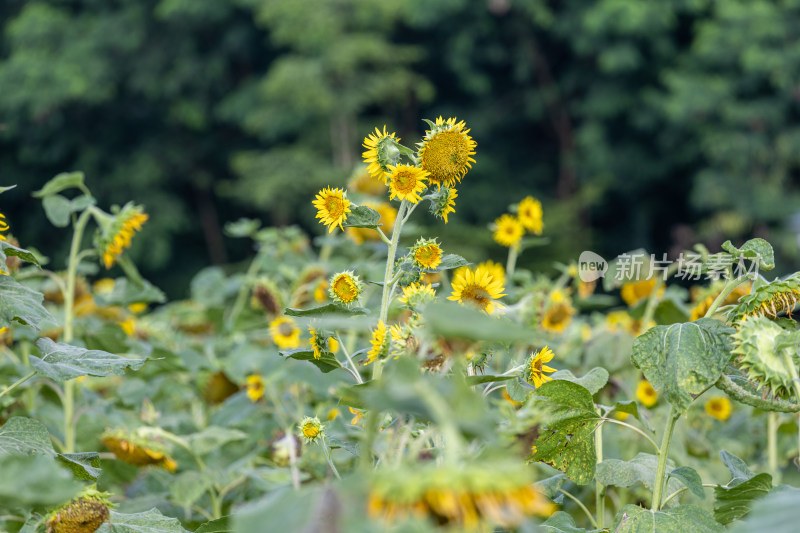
[636, 122]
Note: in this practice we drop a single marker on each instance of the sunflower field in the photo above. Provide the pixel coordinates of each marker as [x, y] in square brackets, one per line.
[373, 379]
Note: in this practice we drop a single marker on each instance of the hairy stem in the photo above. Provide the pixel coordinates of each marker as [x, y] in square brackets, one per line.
[658, 487]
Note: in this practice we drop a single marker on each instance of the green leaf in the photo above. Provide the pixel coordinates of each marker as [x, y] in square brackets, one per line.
[691, 479]
[18, 302]
[739, 470]
[61, 361]
[220, 525]
[58, 210]
[326, 309]
[593, 381]
[567, 442]
[308, 509]
[549, 487]
[451, 261]
[757, 250]
[776, 513]
[24, 436]
[362, 217]
[631, 407]
[518, 390]
[4, 189]
[561, 522]
[244, 227]
[7, 249]
[188, 487]
[151, 521]
[65, 180]
[735, 502]
[34, 481]
[477, 380]
[640, 469]
[683, 359]
[84, 466]
[327, 361]
[212, 438]
[681, 519]
[454, 321]
[126, 292]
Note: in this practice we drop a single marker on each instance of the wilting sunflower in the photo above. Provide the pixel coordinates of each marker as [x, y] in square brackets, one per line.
[137, 450]
[388, 216]
[530, 215]
[380, 343]
[285, 333]
[417, 294]
[84, 514]
[719, 408]
[771, 299]
[446, 152]
[426, 254]
[559, 312]
[345, 288]
[332, 207]
[477, 288]
[116, 231]
[255, 387]
[646, 394]
[508, 231]
[406, 182]
[382, 151]
[535, 367]
[311, 429]
[267, 296]
[475, 496]
[636, 291]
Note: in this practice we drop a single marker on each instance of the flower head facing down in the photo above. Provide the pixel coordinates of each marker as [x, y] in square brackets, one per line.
[443, 202]
[719, 408]
[508, 231]
[417, 294]
[345, 288]
[379, 342]
[255, 387]
[478, 288]
[646, 394]
[381, 152]
[332, 207]
[426, 254]
[84, 514]
[137, 450]
[117, 230]
[446, 152]
[311, 429]
[535, 367]
[529, 212]
[285, 333]
[406, 183]
[636, 291]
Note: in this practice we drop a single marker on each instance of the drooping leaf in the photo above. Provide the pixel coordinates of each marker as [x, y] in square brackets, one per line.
[62, 362]
[640, 469]
[24, 436]
[567, 441]
[757, 250]
[330, 308]
[691, 480]
[9, 250]
[519, 390]
[451, 261]
[683, 359]
[84, 466]
[776, 513]
[18, 302]
[593, 381]
[739, 470]
[58, 210]
[60, 182]
[327, 361]
[151, 521]
[732, 503]
[362, 217]
[681, 519]
[549, 486]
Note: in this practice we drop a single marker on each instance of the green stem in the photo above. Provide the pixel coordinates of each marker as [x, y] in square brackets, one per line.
[327, 453]
[600, 489]
[772, 446]
[789, 364]
[356, 374]
[658, 488]
[241, 296]
[682, 490]
[585, 510]
[729, 288]
[511, 262]
[17, 383]
[327, 248]
[634, 428]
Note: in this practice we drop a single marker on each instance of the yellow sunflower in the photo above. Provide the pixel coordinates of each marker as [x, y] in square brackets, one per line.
[497, 270]
[381, 151]
[426, 254]
[3, 226]
[345, 288]
[477, 288]
[444, 202]
[255, 387]
[379, 342]
[719, 408]
[311, 428]
[417, 294]
[118, 231]
[636, 291]
[535, 367]
[508, 231]
[446, 152]
[559, 313]
[530, 215]
[137, 451]
[406, 182]
[285, 333]
[646, 394]
[362, 182]
[332, 207]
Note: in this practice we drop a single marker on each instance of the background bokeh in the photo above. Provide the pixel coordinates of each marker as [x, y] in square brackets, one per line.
[637, 123]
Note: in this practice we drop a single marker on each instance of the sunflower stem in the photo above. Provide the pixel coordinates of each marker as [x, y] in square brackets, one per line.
[634, 428]
[17, 383]
[583, 507]
[729, 288]
[356, 374]
[238, 305]
[658, 488]
[772, 446]
[327, 452]
[511, 262]
[600, 489]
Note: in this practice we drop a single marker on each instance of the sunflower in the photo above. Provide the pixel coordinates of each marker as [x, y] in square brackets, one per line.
[446, 152]
[138, 451]
[345, 288]
[84, 514]
[530, 215]
[380, 343]
[266, 296]
[358, 415]
[508, 231]
[285, 333]
[311, 429]
[719, 408]
[388, 216]
[332, 207]
[443, 202]
[478, 288]
[559, 313]
[382, 151]
[535, 367]
[117, 231]
[362, 182]
[636, 291]
[700, 309]
[255, 387]
[497, 270]
[3, 226]
[426, 254]
[406, 182]
[646, 394]
[417, 294]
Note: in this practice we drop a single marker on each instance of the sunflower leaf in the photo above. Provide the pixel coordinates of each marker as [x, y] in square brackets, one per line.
[61, 362]
[635, 519]
[18, 302]
[594, 380]
[326, 309]
[84, 466]
[9, 250]
[362, 217]
[24, 436]
[151, 521]
[326, 363]
[735, 502]
[65, 180]
[451, 261]
[640, 469]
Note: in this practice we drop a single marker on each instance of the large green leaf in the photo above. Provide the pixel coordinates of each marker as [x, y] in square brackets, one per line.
[151, 521]
[61, 361]
[683, 359]
[36, 480]
[24, 436]
[739, 470]
[126, 292]
[65, 180]
[776, 513]
[735, 502]
[690, 479]
[567, 441]
[593, 381]
[757, 250]
[18, 302]
[83, 465]
[9, 250]
[362, 217]
[451, 261]
[561, 522]
[220, 525]
[681, 519]
[640, 469]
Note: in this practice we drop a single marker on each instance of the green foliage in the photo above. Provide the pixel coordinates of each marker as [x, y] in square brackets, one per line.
[20, 303]
[640, 469]
[633, 519]
[61, 361]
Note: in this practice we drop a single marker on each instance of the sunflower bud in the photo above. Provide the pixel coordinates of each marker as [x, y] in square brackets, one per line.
[768, 354]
